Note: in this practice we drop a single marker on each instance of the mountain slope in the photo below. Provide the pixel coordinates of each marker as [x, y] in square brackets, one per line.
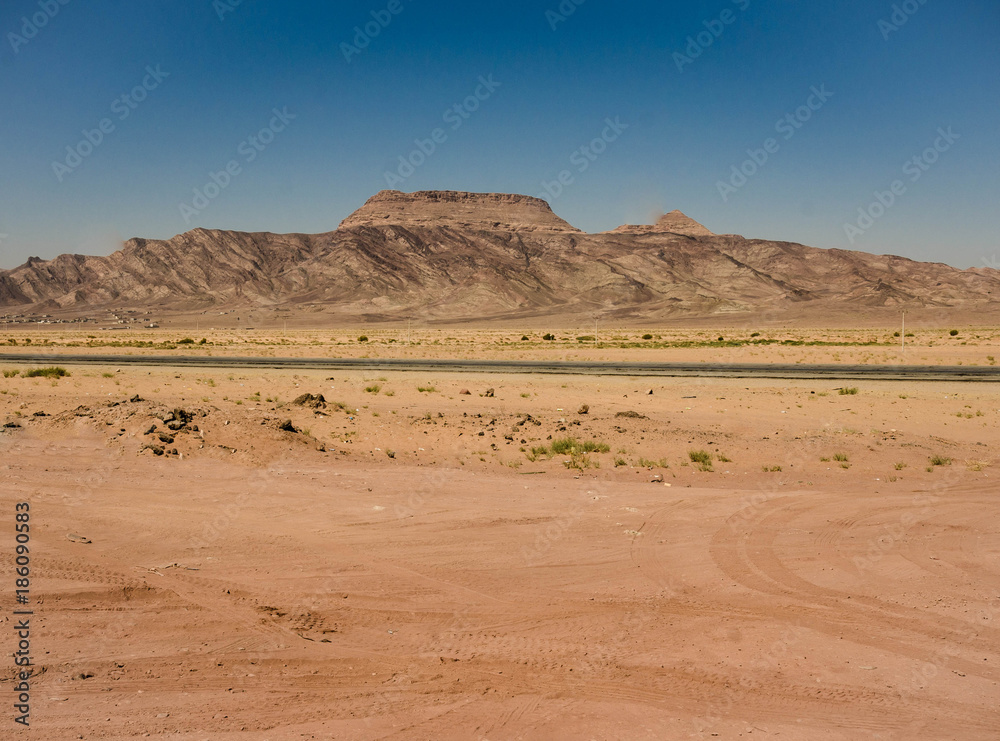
[464, 256]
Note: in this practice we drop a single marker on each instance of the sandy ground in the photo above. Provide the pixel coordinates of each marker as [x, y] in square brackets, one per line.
[832, 572]
[924, 345]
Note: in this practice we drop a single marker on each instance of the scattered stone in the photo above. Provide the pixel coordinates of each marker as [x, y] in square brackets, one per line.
[649, 393]
[39, 414]
[151, 430]
[631, 415]
[135, 399]
[312, 401]
[164, 438]
[157, 450]
[657, 479]
[489, 393]
[287, 426]
[465, 392]
[73, 537]
[585, 409]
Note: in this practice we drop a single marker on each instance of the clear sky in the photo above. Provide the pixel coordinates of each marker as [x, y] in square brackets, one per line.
[187, 88]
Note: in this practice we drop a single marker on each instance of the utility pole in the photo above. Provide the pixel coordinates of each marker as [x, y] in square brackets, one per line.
[903, 333]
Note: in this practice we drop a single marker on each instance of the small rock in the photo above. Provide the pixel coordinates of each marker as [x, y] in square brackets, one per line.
[585, 409]
[631, 415]
[489, 393]
[73, 537]
[465, 392]
[312, 401]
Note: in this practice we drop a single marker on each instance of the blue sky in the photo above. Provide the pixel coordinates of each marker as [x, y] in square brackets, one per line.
[689, 109]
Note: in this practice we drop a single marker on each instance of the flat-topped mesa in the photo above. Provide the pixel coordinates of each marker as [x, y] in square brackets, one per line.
[437, 208]
[675, 222]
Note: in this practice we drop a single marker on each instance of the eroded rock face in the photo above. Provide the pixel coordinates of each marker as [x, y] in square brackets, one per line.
[451, 256]
[459, 210]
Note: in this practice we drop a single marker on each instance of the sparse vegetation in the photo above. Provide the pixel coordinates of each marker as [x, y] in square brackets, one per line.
[50, 372]
[940, 460]
[426, 389]
[646, 463]
[11, 373]
[954, 333]
[849, 391]
[900, 466]
[549, 337]
[363, 338]
[771, 469]
[186, 341]
[373, 389]
[647, 337]
[840, 457]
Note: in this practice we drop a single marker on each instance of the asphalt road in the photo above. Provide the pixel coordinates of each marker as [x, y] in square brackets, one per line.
[680, 370]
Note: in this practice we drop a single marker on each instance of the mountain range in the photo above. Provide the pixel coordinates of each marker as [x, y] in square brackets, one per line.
[462, 257]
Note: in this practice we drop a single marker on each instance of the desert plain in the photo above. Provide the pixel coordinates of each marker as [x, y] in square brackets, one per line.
[222, 554]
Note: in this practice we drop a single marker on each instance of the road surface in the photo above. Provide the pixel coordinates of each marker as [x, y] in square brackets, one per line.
[680, 370]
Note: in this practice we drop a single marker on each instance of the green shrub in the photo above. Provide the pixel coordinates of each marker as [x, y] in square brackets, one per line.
[954, 333]
[647, 337]
[185, 341]
[51, 372]
[363, 338]
[11, 373]
[549, 337]
[848, 392]
[940, 460]
[564, 446]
